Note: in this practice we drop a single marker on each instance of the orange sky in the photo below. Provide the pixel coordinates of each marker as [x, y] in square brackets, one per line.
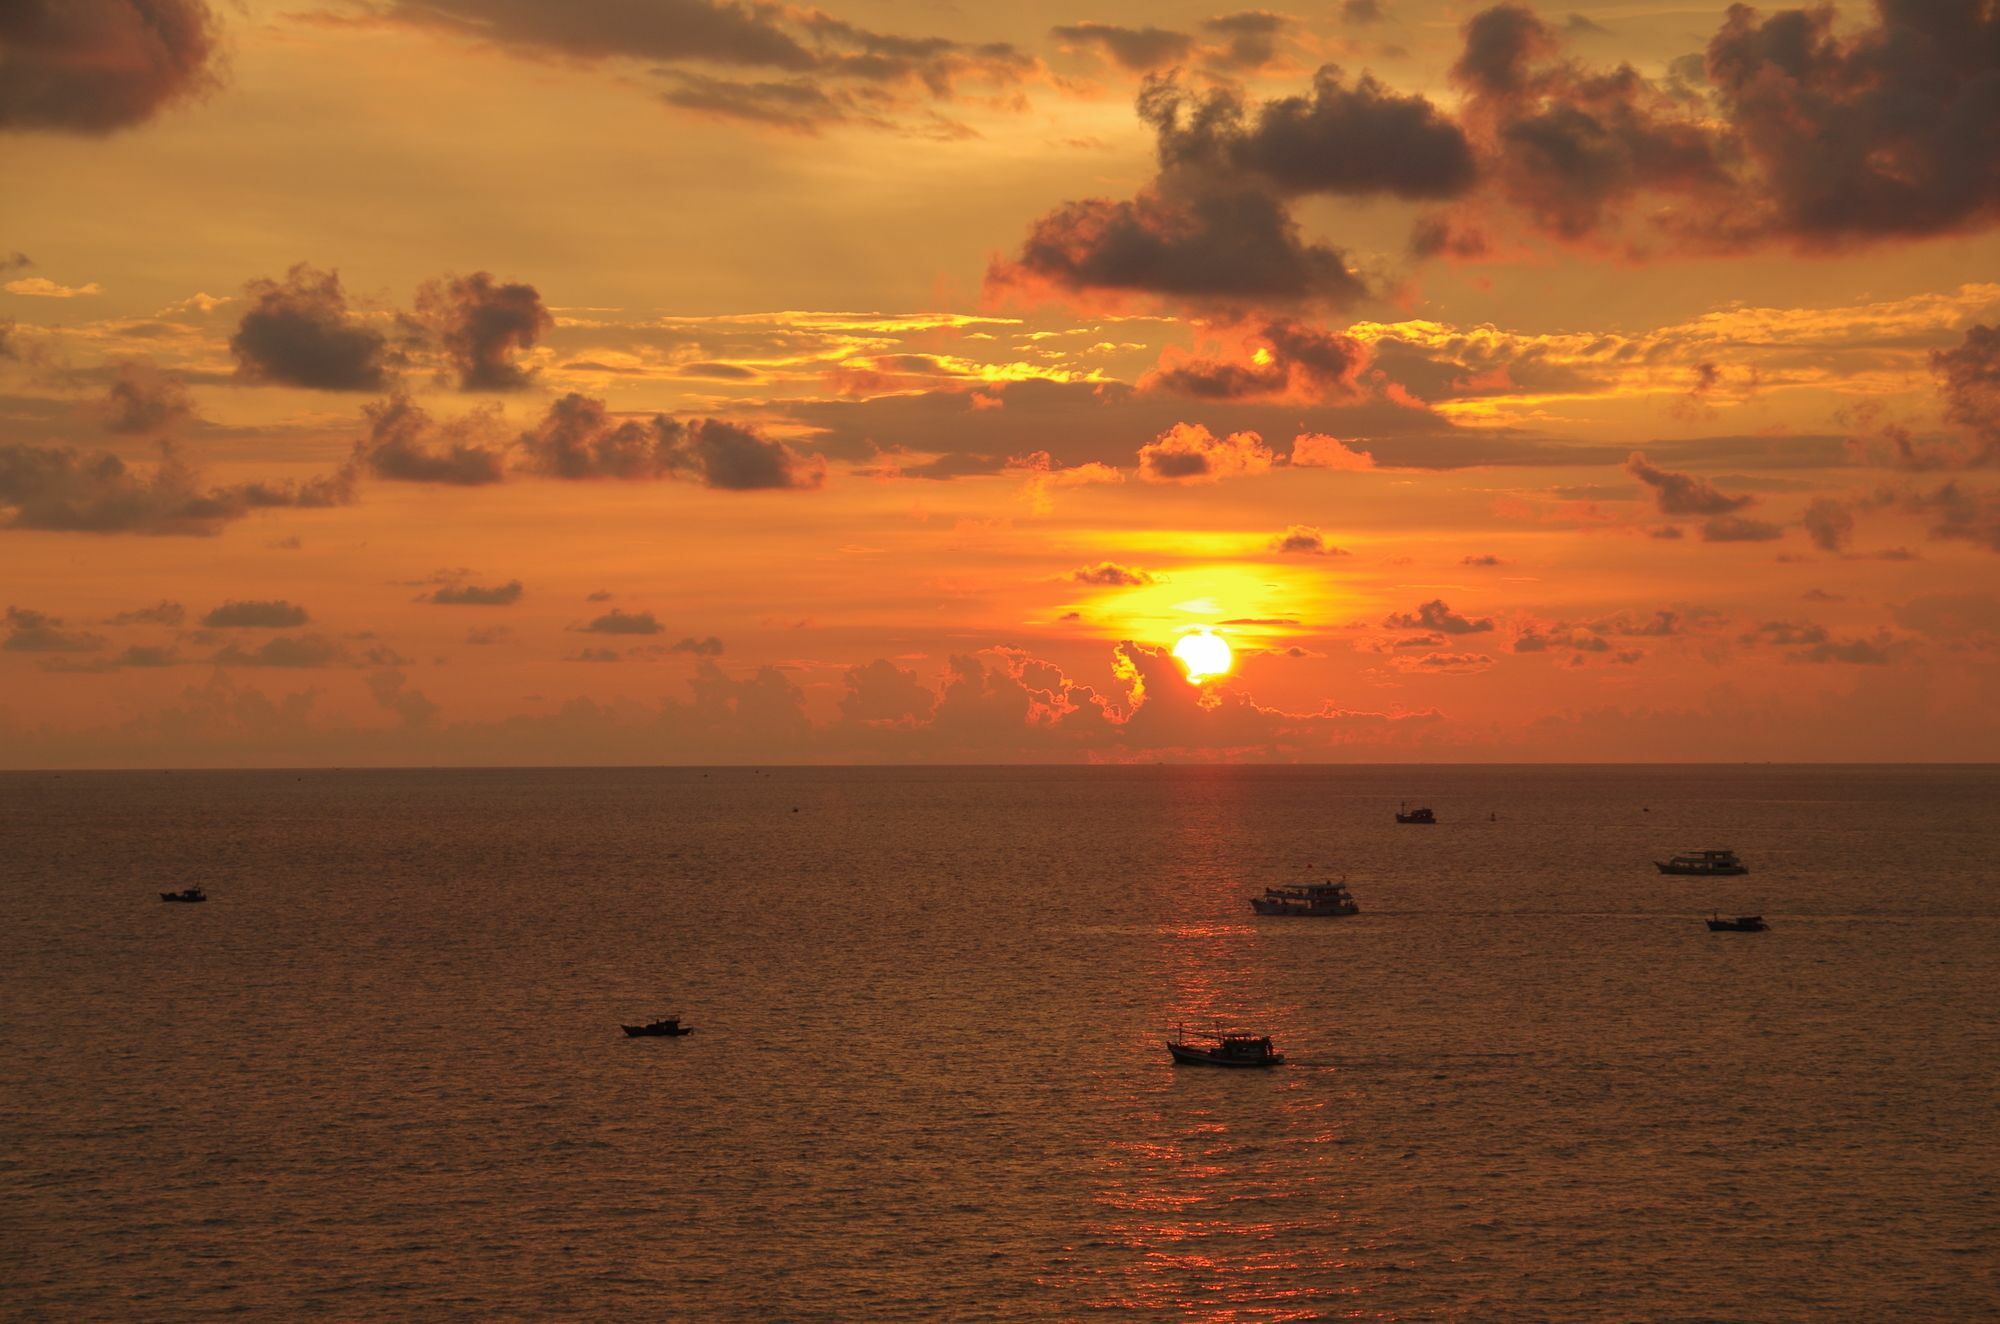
[683, 382]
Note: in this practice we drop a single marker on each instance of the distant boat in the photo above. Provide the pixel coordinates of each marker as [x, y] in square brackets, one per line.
[1409, 815]
[666, 1026]
[1312, 899]
[1741, 924]
[1703, 864]
[185, 894]
[1234, 1049]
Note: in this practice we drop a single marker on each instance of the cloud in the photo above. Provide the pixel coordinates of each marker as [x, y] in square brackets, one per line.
[160, 613]
[1854, 652]
[1488, 559]
[578, 438]
[1961, 514]
[1280, 357]
[1107, 574]
[63, 489]
[1435, 615]
[305, 650]
[597, 655]
[1570, 638]
[482, 326]
[390, 689]
[1138, 49]
[1305, 540]
[1735, 528]
[617, 621]
[1189, 452]
[96, 66]
[41, 287]
[299, 333]
[884, 694]
[143, 400]
[1969, 381]
[1361, 12]
[1316, 450]
[1449, 664]
[275, 614]
[404, 444]
[1680, 493]
[1830, 524]
[473, 595]
[709, 647]
[37, 632]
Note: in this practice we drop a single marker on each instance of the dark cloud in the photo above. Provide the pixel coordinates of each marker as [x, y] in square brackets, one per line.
[1969, 380]
[482, 326]
[1830, 524]
[299, 333]
[708, 647]
[60, 488]
[143, 400]
[1436, 616]
[37, 632]
[1736, 528]
[1961, 514]
[1486, 560]
[95, 66]
[1305, 540]
[275, 614]
[1137, 49]
[1283, 357]
[391, 690]
[1360, 12]
[1250, 38]
[404, 444]
[160, 613]
[884, 694]
[578, 438]
[1680, 493]
[304, 650]
[1567, 638]
[1107, 574]
[473, 595]
[1874, 652]
[717, 30]
[1667, 532]
[597, 655]
[799, 105]
[617, 621]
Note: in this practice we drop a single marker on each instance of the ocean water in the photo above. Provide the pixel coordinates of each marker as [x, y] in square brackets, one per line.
[379, 1075]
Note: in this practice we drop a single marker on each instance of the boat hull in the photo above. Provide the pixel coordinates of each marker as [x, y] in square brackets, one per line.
[656, 1031]
[1300, 911]
[185, 900]
[1700, 870]
[1736, 926]
[1187, 1055]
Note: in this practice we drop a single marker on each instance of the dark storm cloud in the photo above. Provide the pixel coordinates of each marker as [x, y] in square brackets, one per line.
[38, 632]
[95, 66]
[1681, 493]
[405, 445]
[275, 614]
[475, 595]
[1250, 38]
[299, 333]
[1137, 49]
[1109, 574]
[578, 438]
[1435, 615]
[1830, 524]
[63, 489]
[143, 400]
[617, 621]
[482, 326]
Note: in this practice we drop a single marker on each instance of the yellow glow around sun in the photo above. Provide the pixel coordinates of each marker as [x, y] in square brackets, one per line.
[1205, 656]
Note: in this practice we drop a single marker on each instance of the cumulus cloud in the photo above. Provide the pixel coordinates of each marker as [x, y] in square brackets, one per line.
[1108, 574]
[1138, 49]
[1279, 357]
[482, 326]
[299, 332]
[1436, 616]
[404, 444]
[1305, 540]
[708, 647]
[38, 632]
[160, 613]
[63, 489]
[1969, 380]
[1960, 513]
[96, 66]
[1189, 452]
[1681, 493]
[1316, 450]
[578, 438]
[618, 621]
[273, 614]
[1830, 524]
[884, 694]
[142, 400]
[475, 595]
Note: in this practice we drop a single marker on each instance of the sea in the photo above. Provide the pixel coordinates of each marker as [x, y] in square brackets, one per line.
[380, 1074]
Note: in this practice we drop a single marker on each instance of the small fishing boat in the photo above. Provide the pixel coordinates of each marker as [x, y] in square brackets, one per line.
[1741, 924]
[1312, 899]
[1703, 864]
[1236, 1048]
[1409, 815]
[185, 894]
[664, 1027]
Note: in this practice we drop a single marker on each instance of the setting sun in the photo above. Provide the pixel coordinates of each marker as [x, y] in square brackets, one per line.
[1205, 656]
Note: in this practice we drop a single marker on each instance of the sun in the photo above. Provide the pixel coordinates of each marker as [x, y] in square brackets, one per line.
[1205, 654]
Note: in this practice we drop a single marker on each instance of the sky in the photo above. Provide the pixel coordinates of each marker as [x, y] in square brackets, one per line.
[424, 382]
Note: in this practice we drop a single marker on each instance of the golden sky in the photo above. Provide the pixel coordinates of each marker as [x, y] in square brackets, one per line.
[674, 381]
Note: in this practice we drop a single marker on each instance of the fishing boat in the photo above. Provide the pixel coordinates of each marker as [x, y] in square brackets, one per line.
[664, 1027]
[1741, 924]
[1409, 815]
[1312, 899]
[1236, 1048]
[1703, 864]
[185, 894]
